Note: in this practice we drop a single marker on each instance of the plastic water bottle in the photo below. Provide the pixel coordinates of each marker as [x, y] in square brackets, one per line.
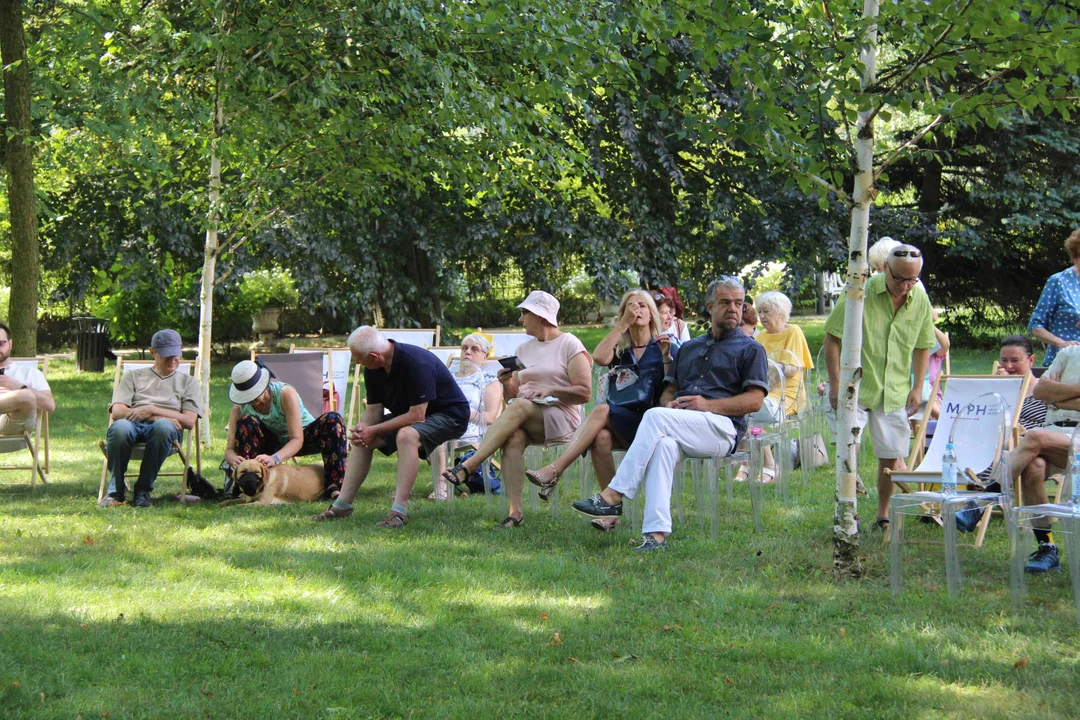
[948, 471]
[1074, 472]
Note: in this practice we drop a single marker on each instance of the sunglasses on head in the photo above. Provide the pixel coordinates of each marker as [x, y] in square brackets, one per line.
[906, 253]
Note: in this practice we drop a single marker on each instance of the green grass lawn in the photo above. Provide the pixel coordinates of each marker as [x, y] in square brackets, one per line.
[200, 611]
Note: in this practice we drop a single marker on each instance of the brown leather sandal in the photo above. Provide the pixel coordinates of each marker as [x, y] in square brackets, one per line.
[333, 513]
[393, 519]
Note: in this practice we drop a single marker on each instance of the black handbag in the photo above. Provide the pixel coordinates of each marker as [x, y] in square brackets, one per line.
[626, 388]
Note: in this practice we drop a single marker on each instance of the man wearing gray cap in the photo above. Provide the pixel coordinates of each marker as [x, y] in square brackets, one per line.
[151, 405]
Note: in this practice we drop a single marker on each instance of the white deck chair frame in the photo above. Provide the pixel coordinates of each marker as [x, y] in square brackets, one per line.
[31, 441]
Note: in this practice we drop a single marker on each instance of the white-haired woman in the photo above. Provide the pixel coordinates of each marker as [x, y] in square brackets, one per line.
[878, 254]
[475, 350]
[543, 399]
[786, 345]
[642, 354]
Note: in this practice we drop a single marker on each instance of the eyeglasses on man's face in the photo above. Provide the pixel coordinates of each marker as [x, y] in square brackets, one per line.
[900, 279]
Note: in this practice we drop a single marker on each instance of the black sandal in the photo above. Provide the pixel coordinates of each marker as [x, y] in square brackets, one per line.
[451, 475]
[511, 522]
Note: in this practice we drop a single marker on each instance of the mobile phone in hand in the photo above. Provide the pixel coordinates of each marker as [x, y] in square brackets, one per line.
[511, 363]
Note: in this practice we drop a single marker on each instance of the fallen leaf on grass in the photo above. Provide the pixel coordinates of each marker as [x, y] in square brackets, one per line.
[626, 658]
[945, 661]
[1020, 664]
[843, 632]
[543, 617]
[728, 681]
[207, 693]
[555, 641]
[16, 684]
[104, 714]
[85, 627]
[669, 628]
[296, 691]
[88, 540]
[42, 696]
[573, 660]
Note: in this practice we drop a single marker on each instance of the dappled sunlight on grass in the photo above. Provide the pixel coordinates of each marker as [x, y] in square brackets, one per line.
[201, 611]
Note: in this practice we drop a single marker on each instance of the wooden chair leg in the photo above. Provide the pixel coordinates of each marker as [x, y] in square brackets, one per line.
[104, 470]
[33, 460]
[984, 523]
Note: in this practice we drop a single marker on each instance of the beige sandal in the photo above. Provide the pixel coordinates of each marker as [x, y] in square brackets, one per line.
[393, 519]
[333, 513]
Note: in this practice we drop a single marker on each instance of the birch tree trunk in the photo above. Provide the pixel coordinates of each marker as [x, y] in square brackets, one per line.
[206, 293]
[846, 520]
[22, 210]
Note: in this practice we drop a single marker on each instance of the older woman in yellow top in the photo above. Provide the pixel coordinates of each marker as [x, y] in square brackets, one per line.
[774, 311]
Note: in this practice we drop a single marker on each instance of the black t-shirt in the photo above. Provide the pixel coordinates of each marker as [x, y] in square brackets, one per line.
[416, 376]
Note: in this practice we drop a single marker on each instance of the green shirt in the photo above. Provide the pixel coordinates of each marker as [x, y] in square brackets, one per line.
[888, 341]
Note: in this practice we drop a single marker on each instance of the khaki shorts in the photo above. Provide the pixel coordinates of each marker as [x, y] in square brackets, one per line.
[891, 432]
[11, 426]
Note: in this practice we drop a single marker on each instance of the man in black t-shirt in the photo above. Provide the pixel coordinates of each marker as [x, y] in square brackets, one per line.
[414, 405]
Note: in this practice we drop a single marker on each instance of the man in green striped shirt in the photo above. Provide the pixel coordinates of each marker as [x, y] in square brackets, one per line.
[898, 332]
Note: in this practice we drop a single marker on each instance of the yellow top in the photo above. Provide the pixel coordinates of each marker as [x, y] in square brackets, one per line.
[792, 339]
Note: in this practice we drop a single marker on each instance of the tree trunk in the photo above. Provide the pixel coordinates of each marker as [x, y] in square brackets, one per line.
[25, 255]
[206, 293]
[846, 519]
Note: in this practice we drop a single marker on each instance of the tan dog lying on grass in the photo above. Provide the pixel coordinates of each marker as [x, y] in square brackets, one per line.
[278, 485]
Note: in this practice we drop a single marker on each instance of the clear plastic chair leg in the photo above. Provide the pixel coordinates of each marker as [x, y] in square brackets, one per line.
[954, 576]
[677, 491]
[485, 470]
[1017, 581]
[714, 499]
[1071, 527]
[896, 543]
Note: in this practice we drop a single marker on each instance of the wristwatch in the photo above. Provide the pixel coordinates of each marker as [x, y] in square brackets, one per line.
[277, 460]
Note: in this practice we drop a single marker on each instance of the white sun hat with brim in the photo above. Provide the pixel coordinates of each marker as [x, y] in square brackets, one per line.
[249, 380]
[543, 305]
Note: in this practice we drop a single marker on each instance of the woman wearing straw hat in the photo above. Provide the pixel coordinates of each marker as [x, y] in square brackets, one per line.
[543, 400]
[269, 423]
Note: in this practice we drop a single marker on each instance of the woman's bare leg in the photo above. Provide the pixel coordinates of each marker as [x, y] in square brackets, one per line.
[510, 421]
[583, 438]
[513, 460]
[603, 460]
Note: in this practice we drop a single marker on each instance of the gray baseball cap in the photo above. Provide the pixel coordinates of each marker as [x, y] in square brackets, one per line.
[167, 343]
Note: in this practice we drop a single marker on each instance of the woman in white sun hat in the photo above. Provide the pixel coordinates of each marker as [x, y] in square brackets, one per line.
[543, 400]
[270, 424]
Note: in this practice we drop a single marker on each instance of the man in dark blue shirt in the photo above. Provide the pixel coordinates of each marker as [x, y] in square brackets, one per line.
[717, 380]
[414, 405]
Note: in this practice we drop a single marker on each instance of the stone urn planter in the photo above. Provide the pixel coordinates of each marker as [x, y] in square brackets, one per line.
[265, 323]
[609, 312]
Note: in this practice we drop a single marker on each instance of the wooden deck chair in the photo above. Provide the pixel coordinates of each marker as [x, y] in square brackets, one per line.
[959, 392]
[304, 371]
[28, 440]
[336, 364]
[424, 337]
[181, 447]
[507, 344]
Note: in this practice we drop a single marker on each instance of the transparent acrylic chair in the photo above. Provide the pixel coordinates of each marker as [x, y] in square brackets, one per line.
[980, 434]
[473, 381]
[1025, 518]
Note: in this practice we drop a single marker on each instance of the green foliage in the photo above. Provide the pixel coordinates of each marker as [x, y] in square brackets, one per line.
[272, 287]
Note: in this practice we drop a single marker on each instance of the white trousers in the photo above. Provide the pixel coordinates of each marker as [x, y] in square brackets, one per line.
[663, 438]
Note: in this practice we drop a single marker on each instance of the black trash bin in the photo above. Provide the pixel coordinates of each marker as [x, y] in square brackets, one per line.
[91, 342]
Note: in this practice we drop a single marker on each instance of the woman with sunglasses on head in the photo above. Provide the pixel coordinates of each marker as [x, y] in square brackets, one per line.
[671, 310]
[641, 357]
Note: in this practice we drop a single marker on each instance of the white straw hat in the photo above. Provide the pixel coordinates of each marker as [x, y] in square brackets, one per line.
[249, 380]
